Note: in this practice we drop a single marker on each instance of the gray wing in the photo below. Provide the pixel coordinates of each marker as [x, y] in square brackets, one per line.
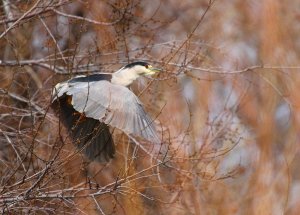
[112, 104]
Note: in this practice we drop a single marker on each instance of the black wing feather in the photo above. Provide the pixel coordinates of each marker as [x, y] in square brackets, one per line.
[88, 134]
[91, 78]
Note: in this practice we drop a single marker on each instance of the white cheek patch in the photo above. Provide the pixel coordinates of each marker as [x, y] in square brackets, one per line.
[141, 70]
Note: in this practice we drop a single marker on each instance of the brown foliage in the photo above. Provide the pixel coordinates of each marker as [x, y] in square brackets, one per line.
[226, 106]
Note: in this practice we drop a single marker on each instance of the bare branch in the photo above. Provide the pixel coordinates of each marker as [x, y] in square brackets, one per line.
[21, 18]
[86, 19]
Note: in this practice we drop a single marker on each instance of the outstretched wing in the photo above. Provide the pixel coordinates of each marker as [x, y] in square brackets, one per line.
[89, 135]
[111, 104]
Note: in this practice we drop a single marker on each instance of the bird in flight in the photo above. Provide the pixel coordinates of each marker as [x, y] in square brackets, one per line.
[88, 105]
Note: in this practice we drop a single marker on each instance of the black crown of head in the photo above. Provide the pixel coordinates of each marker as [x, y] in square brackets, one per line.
[139, 63]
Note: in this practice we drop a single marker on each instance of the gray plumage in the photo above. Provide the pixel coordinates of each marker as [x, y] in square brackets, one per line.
[89, 104]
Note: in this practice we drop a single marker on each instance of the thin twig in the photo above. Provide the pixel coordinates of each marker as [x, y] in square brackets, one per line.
[24, 15]
[86, 19]
[14, 148]
[98, 206]
[53, 38]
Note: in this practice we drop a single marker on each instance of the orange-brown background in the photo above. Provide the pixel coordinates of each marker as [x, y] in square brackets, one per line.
[227, 105]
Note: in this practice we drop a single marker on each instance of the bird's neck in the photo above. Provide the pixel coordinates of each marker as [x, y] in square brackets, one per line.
[124, 77]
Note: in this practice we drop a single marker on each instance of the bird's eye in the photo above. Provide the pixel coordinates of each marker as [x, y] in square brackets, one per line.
[148, 66]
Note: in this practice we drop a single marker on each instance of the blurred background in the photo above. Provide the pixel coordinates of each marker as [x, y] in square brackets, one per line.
[226, 106]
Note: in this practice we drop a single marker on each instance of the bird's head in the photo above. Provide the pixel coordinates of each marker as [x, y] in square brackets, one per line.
[127, 74]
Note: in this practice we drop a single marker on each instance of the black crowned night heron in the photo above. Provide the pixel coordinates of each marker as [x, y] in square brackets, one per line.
[88, 105]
